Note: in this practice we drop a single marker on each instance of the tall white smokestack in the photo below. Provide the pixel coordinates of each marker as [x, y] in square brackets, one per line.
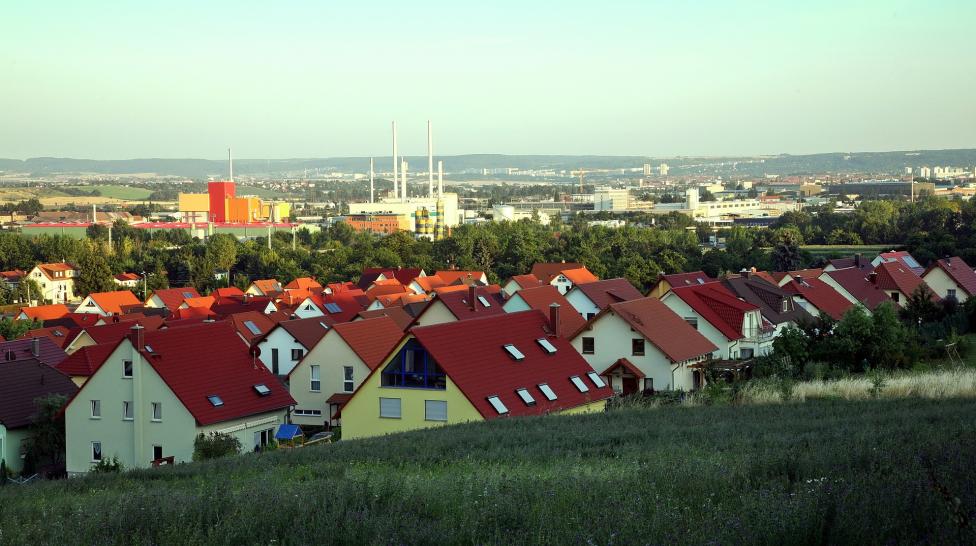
[94, 214]
[440, 179]
[396, 158]
[403, 181]
[430, 162]
[371, 180]
[230, 164]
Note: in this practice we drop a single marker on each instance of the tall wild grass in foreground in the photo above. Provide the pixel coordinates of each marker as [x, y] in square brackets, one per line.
[833, 471]
[950, 383]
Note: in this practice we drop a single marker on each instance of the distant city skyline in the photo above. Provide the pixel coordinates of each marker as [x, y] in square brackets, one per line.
[304, 79]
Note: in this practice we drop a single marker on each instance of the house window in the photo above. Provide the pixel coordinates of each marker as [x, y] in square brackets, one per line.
[127, 411]
[274, 361]
[786, 305]
[96, 409]
[951, 293]
[157, 452]
[588, 345]
[435, 410]
[157, 411]
[315, 385]
[297, 354]
[637, 347]
[413, 367]
[347, 383]
[263, 438]
[308, 412]
[126, 368]
[96, 451]
[390, 408]
[895, 296]
[648, 383]
[692, 321]
[588, 316]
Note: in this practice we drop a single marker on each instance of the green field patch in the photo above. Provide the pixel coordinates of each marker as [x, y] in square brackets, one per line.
[126, 193]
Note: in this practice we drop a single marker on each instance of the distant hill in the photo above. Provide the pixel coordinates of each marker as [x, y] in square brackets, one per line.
[875, 162]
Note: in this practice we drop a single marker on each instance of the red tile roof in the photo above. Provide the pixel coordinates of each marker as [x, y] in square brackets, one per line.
[192, 313]
[473, 356]
[820, 294]
[856, 282]
[307, 331]
[897, 276]
[59, 335]
[50, 269]
[626, 365]
[115, 302]
[454, 276]
[203, 301]
[527, 281]
[243, 322]
[21, 383]
[813, 273]
[172, 298]
[127, 277]
[458, 303]
[718, 306]
[185, 359]
[227, 292]
[46, 312]
[371, 339]
[398, 314]
[545, 272]
[405, 275]
[541, 297]
[904, 258]
[349, 302]
[385, 288]
[959, 271]
[86, 361]
[603, 293]
[304, 283]
[114, 331]
[692, 278]
[267, 286]
[677, 339]
[429, 283]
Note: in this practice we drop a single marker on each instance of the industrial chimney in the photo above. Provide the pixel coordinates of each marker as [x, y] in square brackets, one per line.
[430, 162]
[396, 157]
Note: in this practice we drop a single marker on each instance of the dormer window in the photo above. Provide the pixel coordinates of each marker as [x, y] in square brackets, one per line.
[498, 405]
[513, 352]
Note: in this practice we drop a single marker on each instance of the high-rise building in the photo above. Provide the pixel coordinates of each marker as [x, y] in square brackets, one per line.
[663, 169]
[647, 169]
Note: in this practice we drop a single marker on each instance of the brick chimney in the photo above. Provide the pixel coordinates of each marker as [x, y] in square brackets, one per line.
[857, 260]
[554, 318]
[873, 277]
[137, 335]
[471, 298]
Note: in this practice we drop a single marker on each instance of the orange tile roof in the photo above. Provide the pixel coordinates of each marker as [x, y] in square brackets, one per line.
[203, 301]
[304, 283]
[452, 276]
[45, 312]
[112, 302]
[580, 275]
[429, 283]
[267, 286]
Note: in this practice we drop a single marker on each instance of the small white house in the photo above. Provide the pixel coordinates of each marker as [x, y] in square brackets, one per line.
[288, 343]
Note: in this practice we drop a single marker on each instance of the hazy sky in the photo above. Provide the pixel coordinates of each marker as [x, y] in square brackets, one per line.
[109, 80]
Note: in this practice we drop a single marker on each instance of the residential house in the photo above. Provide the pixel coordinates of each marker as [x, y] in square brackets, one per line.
[59, 335]
[901, 257]
[251, 326]
[227, 292]
[856, 286]
[265, 287]
[775, 304]
[426, 284]
[335, 367]
[304, 283]
[289, 341]
[734, 326]
[564, 276]
[467, 278]
[856, 260]
[12, 278]
[128, 280]
[898, 281]
[158, 390]
[405, 275]
[590, 298]
[462, 304]
[473, 370]
[666, 282]
[108, 303]
[546, 271]
[817, 297]
[642, 345]
[109, 333]
[543, 298]
[44, 313]
[399, 315]
[56, 280]
[22, 382]
[519, 282]
[951, 278]
[171, 298]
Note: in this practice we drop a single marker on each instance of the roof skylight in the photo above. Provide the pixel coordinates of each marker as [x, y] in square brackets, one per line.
[546, 345]
[149, 349]
[497, 404]
[525, 396]
[333, 308]
[262, 389]
[547, 391]
[188, 295]
[579, 383]
[215, 400]
[252, 327]
[514, 352]
[484, 301]
[596, 379]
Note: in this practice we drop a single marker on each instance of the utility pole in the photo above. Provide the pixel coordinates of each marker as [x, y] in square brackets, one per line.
[145, 286]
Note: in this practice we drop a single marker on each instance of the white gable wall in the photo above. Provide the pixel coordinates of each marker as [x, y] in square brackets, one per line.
[940, 283]
[582, 303]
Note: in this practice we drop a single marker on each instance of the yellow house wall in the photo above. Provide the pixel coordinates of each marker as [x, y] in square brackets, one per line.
[331, 353]
[436, 313]
[361, 415]
[660, 289]
[591, 407]
[940, 283]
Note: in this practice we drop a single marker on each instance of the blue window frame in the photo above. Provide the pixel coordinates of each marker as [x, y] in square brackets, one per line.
[414, 368]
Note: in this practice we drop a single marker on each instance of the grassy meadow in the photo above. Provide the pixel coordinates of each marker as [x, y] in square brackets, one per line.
[884, 471]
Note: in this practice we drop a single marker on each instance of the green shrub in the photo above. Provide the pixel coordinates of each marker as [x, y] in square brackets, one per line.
[214, 446]
[108, 466]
